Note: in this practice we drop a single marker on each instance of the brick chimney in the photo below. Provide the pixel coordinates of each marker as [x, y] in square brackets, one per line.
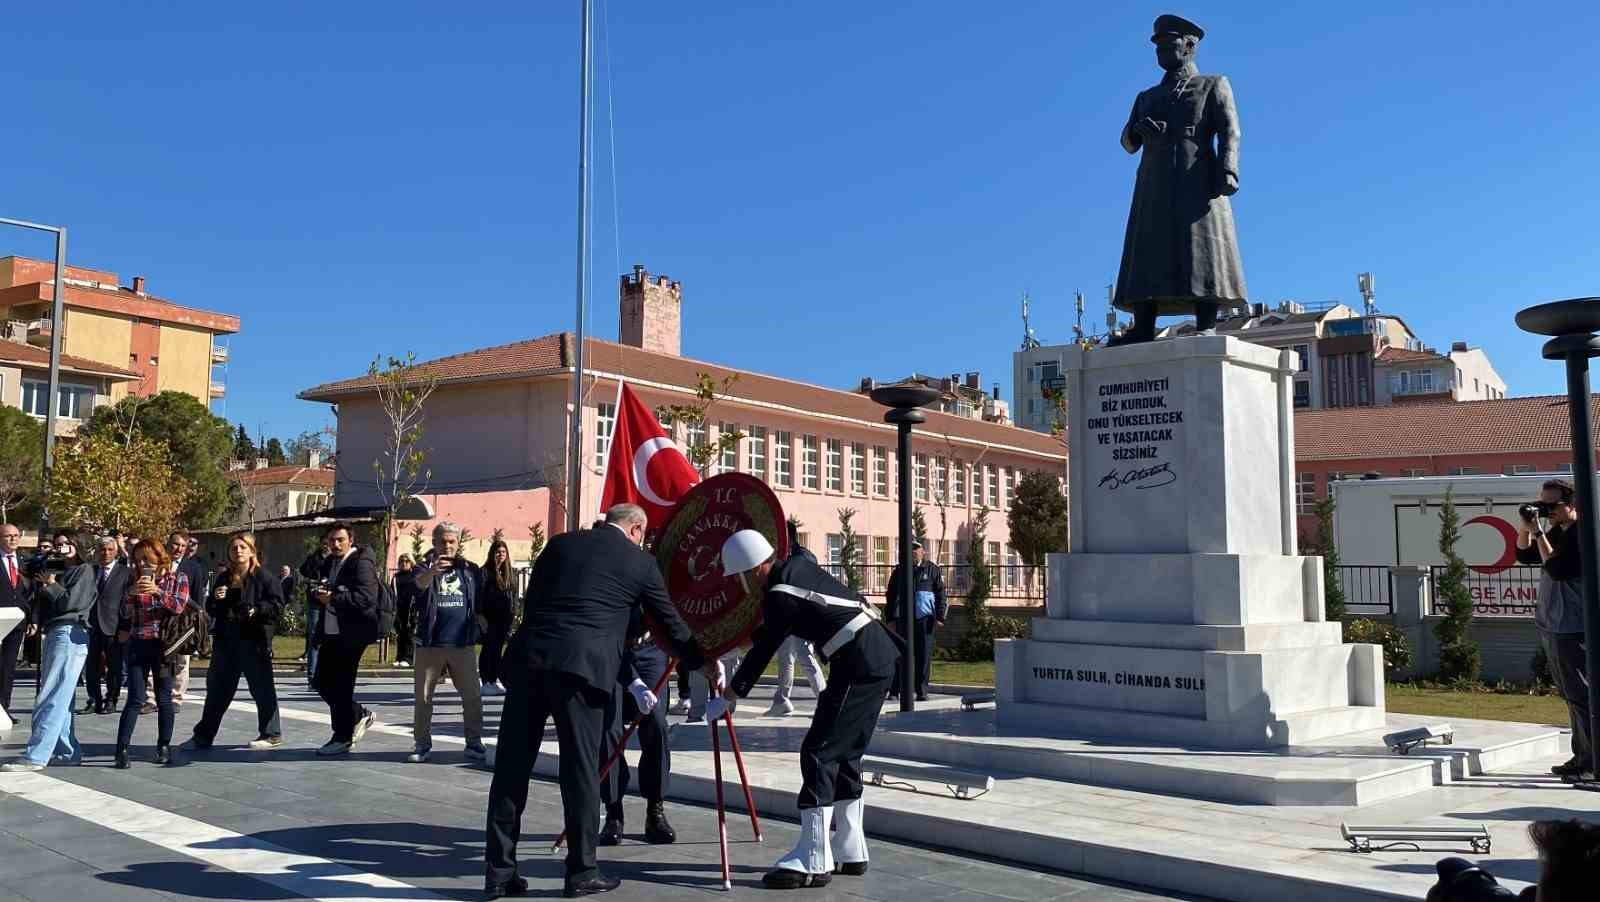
[651, 312]
[138, 284]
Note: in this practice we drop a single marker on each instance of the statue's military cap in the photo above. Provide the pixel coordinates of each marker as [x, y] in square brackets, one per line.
[1168, 24]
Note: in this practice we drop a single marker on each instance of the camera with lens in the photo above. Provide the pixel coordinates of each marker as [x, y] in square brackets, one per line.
[1462, 881]
[1534, 510]
[48, 562]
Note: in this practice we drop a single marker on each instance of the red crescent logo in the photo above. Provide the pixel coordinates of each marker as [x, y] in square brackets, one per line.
[1509, 558]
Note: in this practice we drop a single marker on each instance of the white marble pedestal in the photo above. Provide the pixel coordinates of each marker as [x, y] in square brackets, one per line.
[10, 619]
[1183, 613]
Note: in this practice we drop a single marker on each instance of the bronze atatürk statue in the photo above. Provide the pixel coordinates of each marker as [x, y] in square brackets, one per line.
[1180, 253]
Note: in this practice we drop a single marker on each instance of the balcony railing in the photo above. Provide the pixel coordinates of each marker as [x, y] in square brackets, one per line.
[219, 354]
[218, 389]
[1414, 387]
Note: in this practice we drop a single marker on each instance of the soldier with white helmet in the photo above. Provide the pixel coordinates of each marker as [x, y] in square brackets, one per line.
[802, 600]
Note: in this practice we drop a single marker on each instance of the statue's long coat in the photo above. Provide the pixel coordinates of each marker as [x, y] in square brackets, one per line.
[1181, 246]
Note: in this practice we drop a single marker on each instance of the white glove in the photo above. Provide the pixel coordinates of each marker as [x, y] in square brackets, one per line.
[643, 698]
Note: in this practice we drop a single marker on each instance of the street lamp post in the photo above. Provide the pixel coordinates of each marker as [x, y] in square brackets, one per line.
[1573, 324]
[904, 402]
[53, 388]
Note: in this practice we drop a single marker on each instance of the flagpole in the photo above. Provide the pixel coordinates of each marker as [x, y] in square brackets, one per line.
[575, 438]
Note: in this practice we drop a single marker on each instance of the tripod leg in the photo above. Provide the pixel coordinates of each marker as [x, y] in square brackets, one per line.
[744, 780]
[722, 812]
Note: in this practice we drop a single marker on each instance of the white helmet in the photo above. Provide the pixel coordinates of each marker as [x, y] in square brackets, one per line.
[745, 550]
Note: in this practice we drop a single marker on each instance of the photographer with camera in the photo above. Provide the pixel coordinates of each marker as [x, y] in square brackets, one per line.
[244, 603]
[449, 596]
[1548, 537]
[63, 600]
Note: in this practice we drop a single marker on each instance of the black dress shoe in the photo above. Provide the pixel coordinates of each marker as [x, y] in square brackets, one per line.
[611, 833]
[163, 754]
[591, 887]
[851, 868]
[89, 707]
[657, 830]
[1570, 766]
[783, 878]
[516, 886]
[121, 762]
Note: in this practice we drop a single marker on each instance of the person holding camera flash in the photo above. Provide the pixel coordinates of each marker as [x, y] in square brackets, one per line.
[64, 597]
[448, 597]
[1559, 616]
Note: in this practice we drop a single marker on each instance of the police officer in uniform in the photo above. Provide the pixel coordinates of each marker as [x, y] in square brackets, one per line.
[804, 601]
[643, 663]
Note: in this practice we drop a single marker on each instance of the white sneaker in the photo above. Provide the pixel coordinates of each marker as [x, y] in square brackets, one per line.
[362, 725]
[477, 752]
[781, 708]
[491, 688]
[419, 754]
[21, 766]
[265, 743]
[402, 663]
[333, 749]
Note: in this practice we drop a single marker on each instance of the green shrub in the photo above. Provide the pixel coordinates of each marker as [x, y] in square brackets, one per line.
[1396, 648]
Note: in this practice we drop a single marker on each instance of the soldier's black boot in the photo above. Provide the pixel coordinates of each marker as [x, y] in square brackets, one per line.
[1205, 318]
[1142, 330]
[611, 833]
[656, 828]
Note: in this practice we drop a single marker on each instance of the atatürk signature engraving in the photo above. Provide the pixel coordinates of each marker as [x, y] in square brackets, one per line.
[1152, 477]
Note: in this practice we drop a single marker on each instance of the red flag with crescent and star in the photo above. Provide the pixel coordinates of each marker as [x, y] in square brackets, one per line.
[645, 467]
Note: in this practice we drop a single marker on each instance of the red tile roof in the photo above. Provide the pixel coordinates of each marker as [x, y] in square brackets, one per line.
[35, 357]
[1537, 423]
[122, 301]
[1393, 354]
[551, 355]
[320, 477]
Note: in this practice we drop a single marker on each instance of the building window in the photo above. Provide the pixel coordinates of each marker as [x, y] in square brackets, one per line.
[977, 484]
[939, 496]
[33, 398]
[835, 549]
[880, 471]
[1008, 476]
[605, 426]
[1564, 468]
[73, 402]
[783, 459]
[1413, 471]
[1520, 469]
[1013, 568]
[1305, 492]
[1463, 471]
[858, 468]
[833, 472]
[992, 557]
[698, 436]
[755, 452]
[728, 447]
[880, 549]
[944, 553]
[958, 483]
[991, 487]
[919, 476]
[1305, 357]
[1302, 393]
[808, 462]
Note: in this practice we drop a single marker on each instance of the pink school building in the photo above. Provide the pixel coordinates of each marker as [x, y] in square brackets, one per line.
[496, 427]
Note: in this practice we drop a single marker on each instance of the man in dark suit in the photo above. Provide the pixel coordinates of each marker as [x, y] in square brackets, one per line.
[563, 663]
[349, 601]
[103, 671]
[16, 591]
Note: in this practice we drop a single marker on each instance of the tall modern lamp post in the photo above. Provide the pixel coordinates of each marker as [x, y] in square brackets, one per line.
[904, 402]
[57, 326]
[1572, 324]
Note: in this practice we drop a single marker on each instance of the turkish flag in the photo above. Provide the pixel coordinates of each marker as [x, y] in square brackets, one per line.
[645, 467]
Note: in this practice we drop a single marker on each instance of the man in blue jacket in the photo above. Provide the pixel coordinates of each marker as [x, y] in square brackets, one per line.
[446, 589]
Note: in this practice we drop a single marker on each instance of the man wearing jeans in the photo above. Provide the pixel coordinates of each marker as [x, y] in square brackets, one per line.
[927, 593]
[446, 591]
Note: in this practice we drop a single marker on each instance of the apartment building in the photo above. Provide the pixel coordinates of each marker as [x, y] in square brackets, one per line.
[85, 384]
[496, 432]
[124, 329]
[961, 395]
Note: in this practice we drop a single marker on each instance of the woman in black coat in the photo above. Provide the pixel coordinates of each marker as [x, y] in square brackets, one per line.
[499, 592]
[244, 603]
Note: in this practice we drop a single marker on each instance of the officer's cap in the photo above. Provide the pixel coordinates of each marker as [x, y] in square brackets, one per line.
[1168, 24]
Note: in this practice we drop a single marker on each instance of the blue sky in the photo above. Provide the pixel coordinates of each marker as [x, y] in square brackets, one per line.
[845, 189]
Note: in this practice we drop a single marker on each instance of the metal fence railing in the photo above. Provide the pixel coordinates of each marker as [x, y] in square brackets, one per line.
[1008, 583]
[1368, 588]
[1512, 592]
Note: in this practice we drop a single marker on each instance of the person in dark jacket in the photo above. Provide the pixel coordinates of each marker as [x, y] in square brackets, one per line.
[499, 589]
[245, 604]
[927, 594]
[802, 600]
[185, 550]
[563, 663]
[311, 572]
[405, 606]
[16, 591]
[158, 592]
[349, 597]
[634, 698]
[64, 597]
[1559, 615]
[103, 672]
[448, 590]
